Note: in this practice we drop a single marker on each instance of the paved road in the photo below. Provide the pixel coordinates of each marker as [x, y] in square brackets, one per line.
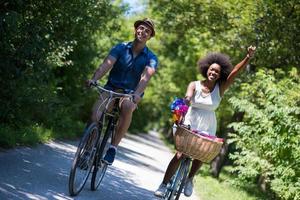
[42, 172]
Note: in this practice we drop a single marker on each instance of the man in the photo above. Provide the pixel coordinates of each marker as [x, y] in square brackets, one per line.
[131, 66]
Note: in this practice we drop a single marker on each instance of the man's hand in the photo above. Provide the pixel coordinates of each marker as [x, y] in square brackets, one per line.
[90, 82]
[136, 98]
[251, 50]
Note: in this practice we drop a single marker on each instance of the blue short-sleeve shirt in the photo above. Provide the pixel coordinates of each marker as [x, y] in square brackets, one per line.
[127, 70]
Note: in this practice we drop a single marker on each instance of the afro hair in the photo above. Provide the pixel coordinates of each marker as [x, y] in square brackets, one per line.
[218, 58]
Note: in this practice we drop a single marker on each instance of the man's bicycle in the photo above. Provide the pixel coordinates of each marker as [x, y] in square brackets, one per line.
[191, 146]
[94, 143]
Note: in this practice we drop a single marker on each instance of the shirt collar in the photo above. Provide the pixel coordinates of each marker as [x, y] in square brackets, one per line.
[129, 46]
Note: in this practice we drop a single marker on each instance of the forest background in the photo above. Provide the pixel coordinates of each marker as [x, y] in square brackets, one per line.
[49, 48]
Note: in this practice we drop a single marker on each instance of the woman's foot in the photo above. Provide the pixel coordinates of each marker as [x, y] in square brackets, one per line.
[188, 188]
[160, 192]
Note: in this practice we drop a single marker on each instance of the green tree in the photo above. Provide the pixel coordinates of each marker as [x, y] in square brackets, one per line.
[47, 50]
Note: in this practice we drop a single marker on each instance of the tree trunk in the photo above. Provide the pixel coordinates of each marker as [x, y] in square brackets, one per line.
[262, 184]
[219, 161]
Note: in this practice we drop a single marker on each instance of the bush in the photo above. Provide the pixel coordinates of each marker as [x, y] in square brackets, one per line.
[268, 138]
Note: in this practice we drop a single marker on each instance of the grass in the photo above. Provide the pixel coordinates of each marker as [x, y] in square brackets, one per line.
[37, 133]
[209, 188]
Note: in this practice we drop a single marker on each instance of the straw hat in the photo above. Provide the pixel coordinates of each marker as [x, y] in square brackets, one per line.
[148, 22]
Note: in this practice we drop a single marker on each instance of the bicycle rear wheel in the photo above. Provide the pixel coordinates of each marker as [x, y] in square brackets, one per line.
[83, 160]
[100, 167]
[179, 180]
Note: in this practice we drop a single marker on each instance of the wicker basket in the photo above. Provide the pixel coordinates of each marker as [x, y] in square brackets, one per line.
[195, 146]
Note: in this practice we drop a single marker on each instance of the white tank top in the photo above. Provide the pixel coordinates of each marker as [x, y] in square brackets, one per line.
[201, 114]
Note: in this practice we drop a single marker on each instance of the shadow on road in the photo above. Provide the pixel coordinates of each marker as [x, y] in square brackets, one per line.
[132, 157]
[42, 173]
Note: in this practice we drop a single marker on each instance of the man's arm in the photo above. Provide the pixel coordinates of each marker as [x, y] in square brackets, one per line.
[145, 78]
[106, 65]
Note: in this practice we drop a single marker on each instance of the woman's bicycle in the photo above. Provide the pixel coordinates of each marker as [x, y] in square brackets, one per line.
[94, 143]
[176, 185]
[191, 146]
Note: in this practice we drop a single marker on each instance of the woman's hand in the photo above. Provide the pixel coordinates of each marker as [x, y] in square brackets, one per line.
[251, 51]
[187, 100]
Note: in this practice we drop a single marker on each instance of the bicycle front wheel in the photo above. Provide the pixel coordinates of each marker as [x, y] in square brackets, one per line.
[179, 180]
[186, 166]
[100, 167]
[83, 160]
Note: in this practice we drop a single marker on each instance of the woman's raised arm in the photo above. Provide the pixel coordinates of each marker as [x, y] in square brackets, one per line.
[237, 68]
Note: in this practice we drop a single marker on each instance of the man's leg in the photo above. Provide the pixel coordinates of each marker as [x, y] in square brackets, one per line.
[99, 106]
[127, 108]
[96, 114]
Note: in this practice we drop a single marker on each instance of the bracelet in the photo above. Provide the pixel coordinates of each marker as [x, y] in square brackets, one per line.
[248, 56]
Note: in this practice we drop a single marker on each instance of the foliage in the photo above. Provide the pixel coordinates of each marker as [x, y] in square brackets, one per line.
[47, 50]
[268, 138]
[187, 30]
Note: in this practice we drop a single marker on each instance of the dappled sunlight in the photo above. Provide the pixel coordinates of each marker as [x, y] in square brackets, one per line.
[39, 172]
[147, 139]
[129, 157]
[122, 185]
[43, 172]
[64, 146]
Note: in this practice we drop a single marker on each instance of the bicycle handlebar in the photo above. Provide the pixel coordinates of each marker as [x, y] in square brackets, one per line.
[115, 94]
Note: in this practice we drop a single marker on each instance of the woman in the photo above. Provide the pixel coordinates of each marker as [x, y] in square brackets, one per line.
[205, 97]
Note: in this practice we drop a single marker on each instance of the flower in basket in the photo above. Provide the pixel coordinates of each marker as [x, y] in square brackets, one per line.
[179, 109]
[219, 139]
[206, 135]
[176, 102]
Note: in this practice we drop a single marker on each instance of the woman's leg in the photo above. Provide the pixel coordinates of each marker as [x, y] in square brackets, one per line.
[172, 167]
[188, 188]
[196, 164]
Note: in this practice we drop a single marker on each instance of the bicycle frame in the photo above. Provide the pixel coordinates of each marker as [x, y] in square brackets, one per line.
[112, 117]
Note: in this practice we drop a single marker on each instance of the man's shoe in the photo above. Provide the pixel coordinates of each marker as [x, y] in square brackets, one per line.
[160, 192]
[109, 156]
[188, 188]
